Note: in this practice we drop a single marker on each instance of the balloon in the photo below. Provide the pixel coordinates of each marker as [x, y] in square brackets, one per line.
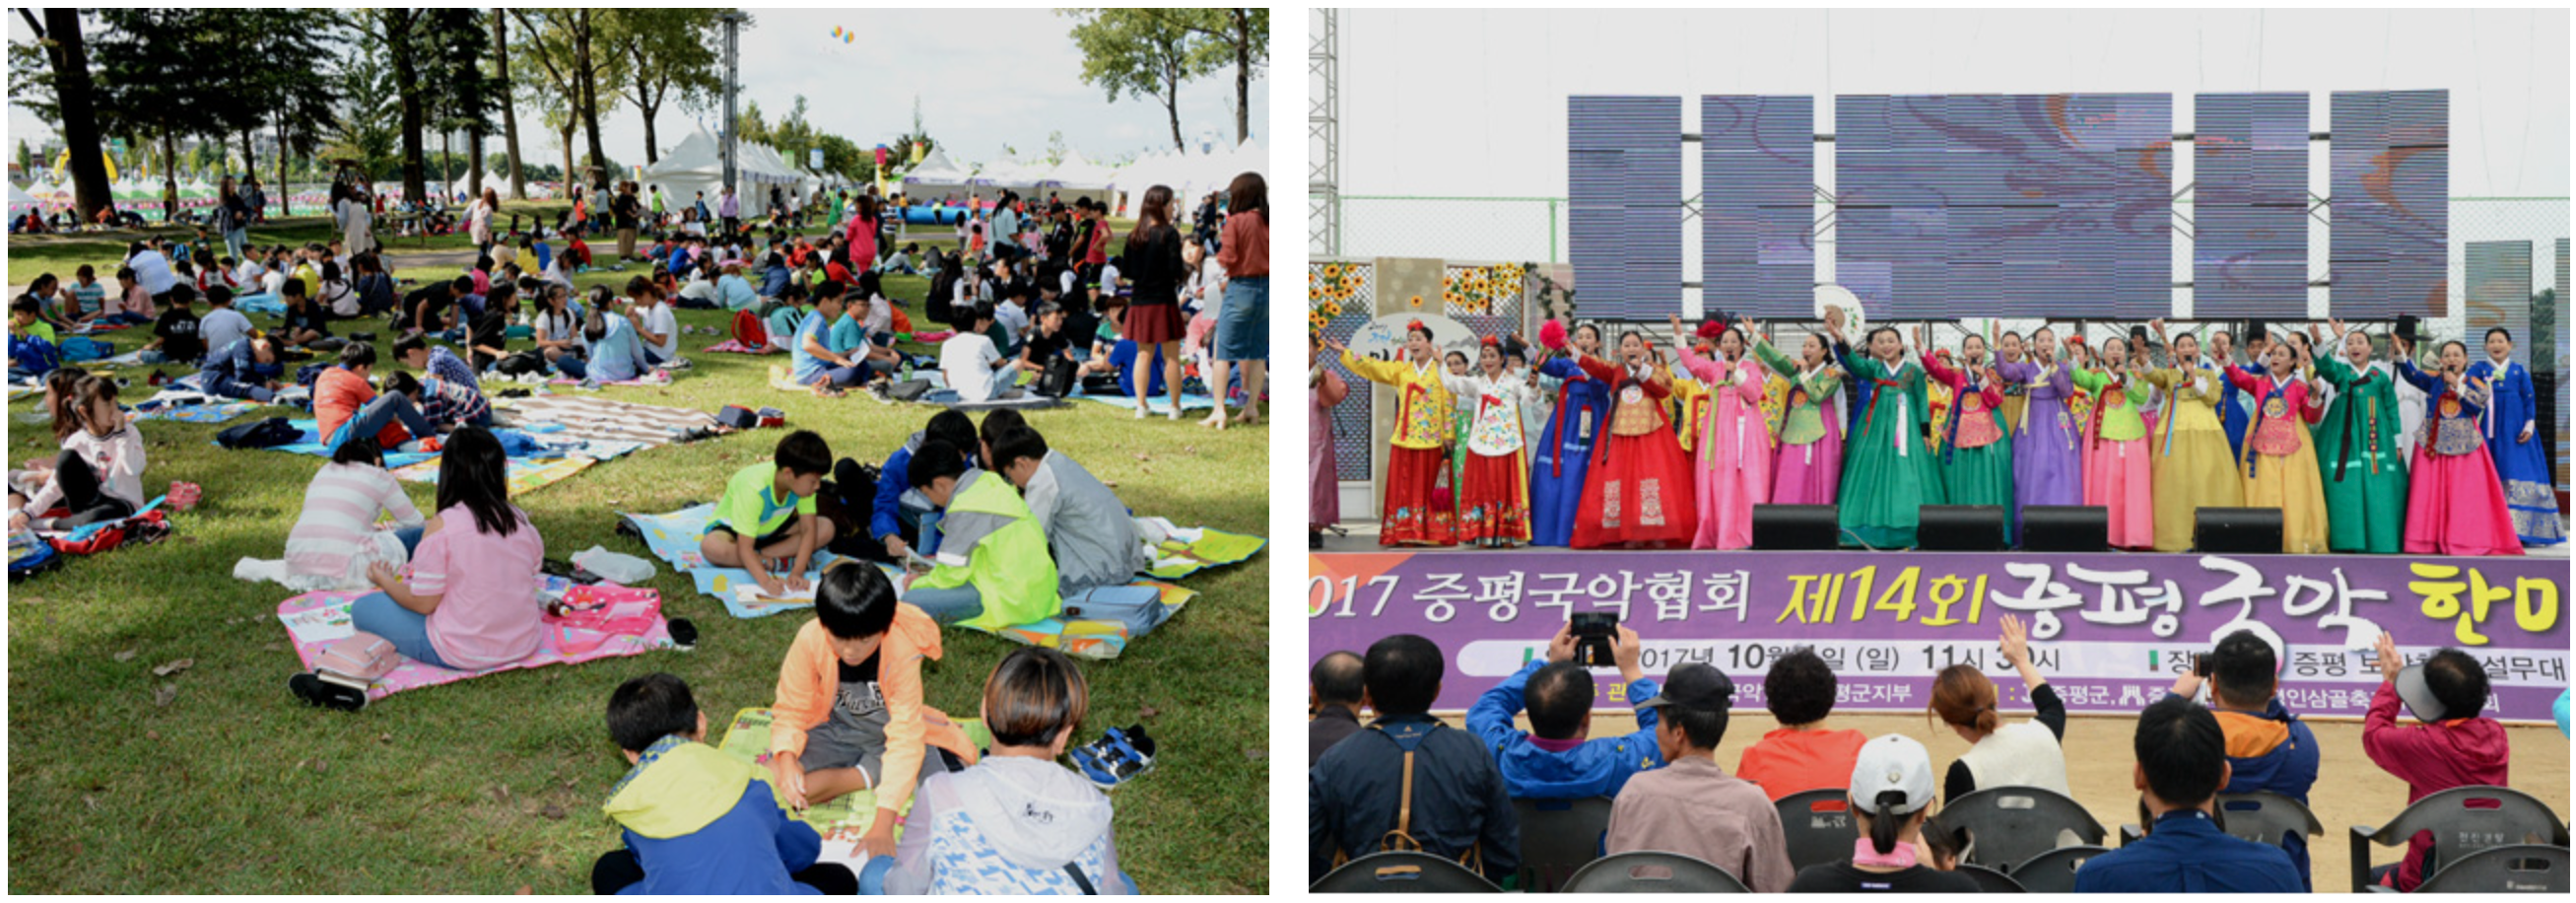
[846, 38]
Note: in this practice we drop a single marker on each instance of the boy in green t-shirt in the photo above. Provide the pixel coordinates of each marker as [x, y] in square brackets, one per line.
[767, 514]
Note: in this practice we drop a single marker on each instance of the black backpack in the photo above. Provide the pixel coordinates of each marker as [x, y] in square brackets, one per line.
[269, 433]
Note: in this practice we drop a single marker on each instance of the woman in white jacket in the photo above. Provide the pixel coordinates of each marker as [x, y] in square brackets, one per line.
[1015, 822]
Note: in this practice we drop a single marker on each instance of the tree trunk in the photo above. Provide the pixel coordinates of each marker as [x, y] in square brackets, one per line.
[651, 156]
[170, 172]
[397, 23]
[1172, 105]
[509, 106]
[1242, 74]
[589, 88]
[646, 104]
[90, 190]
[564, 191]
[250, 168]
[285, 191]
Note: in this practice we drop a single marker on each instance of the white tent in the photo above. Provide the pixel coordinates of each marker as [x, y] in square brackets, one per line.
[1076, 172]
[937, 169]
[19, 201]
[697, 165]
[1020, 174]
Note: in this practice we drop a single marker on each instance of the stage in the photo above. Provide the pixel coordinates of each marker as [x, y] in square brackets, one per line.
[2110, 630]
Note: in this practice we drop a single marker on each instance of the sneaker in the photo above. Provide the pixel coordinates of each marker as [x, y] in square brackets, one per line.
[677, 363]
[316, 691]
[1119, 756]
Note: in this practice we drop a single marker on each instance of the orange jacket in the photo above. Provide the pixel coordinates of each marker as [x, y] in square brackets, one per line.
[811, 678]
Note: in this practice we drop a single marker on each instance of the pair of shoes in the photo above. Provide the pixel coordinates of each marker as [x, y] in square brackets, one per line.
[315, 691]
[677, 363]
[1119, 756]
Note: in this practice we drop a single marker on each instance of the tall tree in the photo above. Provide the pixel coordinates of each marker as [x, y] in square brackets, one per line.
[669, 54]
[1139, 53]
[560, 41]
[362, 129]
[462, 94]
[584, 34]
[1239, 36]
[398, 31]
[74, 104]
[509, 101]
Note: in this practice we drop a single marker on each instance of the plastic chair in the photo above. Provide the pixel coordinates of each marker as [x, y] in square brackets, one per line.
[2261, 816]
[1818, 825]
[2053, 872]
[1558, 838]
[2463, 820]
[1402, 872]
[1990, 881]
[2520, 868]
[1645, 872]
[2013, 824]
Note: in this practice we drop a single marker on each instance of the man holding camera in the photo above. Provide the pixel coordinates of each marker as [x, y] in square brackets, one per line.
[2267, 747]
[1557, 759]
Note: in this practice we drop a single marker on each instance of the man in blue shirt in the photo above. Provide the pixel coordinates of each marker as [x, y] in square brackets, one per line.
[2267, 747]
[894, 520]
[1556, 760]
[2182, 762]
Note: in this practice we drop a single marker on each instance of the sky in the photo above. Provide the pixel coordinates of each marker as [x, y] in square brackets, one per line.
[1472, 103]
[985, 78]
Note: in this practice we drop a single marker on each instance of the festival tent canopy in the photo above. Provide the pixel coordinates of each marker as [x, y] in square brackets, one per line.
[697, 165]
[1011, 174]
[19, 201]
[937, 169]
[1076, 171]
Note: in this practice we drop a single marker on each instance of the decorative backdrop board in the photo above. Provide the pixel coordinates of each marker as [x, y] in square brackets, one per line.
[2391, 192]
[2499, 274]
[2014, 204]
[1757, 213]
[1624, 216]
[2250, 205]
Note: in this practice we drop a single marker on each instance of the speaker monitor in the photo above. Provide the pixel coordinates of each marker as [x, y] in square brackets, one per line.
[2066, 528]
[1796, 528]
[1961, 528]
[2237, 531]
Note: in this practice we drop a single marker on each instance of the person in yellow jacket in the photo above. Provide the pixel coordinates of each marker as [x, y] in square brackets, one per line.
[1422, 427]
[850, 714]
[993, 569]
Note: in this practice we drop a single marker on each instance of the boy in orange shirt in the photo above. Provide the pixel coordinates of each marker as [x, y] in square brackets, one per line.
[849, 714]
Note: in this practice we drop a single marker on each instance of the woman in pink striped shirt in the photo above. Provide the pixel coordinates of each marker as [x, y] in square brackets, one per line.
[336, 539]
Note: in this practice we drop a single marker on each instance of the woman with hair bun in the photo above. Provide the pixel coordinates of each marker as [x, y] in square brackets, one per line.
[2024, 754]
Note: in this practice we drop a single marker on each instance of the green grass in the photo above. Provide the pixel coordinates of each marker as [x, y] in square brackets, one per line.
[235, 787]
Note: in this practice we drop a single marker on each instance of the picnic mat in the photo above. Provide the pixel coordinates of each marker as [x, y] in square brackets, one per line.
[1194, 549]
[673, 538]
[525, 474]
[1159, 404]
[592, 418]
[730, 346]
[561, 458]
[314, 619]
[845, 819]
[199, 413]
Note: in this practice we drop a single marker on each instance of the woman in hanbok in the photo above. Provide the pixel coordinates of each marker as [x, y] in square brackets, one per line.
[1324, 389]
[2509, 430]
[1809, 465]
[1564, 454]
[1889, 474]
[2193, 467]
[2456, 506]
[2358, 451]
[1414, 463]
[2008, 350]
[2118, 474]
[1493, 487]
[2279, 467]
[2048, 467]
[1638, 494]
[1734, 467]
[2234, 412]
[1976, 461]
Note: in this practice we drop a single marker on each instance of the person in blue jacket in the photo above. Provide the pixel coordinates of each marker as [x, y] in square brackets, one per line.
[2267, 747]
[894, 520]
[695, 820]
[2182, 767]
[245, 369]
[1555, 760]
[1562, 458]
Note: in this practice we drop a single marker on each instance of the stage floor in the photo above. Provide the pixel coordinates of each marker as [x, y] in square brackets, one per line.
[1361, 536]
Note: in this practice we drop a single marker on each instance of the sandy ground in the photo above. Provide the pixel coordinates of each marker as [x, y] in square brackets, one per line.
[2100, 768]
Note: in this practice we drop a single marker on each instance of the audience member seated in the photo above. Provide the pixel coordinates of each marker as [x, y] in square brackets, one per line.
[695, 820]
[1556, 759]
[1891, 796]
[246, 369]
[1692, 806]
[1089, 532]
[1801, 754]
[1409, 781]
[2025, 754]
[1334, 697]
[2268, 749]
[2182, 763]
[2451, 744]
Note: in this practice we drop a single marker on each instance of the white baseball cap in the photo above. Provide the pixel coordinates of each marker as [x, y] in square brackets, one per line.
[1893, 762]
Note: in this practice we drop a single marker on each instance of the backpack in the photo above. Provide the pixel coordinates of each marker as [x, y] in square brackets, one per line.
[34, 356]
[520, 363]
[30, 555]
[269, 433]
[749, 330]
[84, 348]
[308, 374]
[141, 529]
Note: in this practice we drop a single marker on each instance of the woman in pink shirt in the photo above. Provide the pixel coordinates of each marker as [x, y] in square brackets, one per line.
[471, 602]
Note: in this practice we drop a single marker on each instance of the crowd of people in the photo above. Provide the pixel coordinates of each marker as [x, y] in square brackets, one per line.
[1411, 780]
[1574, 442]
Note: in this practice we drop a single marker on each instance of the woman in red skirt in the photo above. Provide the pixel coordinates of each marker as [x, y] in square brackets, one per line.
[1493, 486]
[1154, 267]
[1639, 493]
[1422, 424]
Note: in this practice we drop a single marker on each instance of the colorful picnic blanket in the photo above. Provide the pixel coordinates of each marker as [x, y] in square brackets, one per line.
[315, 619]
[845, 819]
[730, 346]
[594, 419]
[558, 458]
[674, 537]
[525, 474]
[199, 413]
[1159, 404]
[1191, 550]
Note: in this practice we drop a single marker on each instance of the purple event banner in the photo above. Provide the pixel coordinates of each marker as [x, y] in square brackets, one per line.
[2110, 632]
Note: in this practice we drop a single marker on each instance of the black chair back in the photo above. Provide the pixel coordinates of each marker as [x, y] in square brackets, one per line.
[1990, 881]
[2053, 872]
[2521, 868]
[1818, 825]
[1652, 873]
[1402, 872]
[1559, 837]
[2463, 821]
[2009, 825]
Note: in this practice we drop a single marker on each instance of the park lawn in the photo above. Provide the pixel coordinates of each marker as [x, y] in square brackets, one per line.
[493, 784]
